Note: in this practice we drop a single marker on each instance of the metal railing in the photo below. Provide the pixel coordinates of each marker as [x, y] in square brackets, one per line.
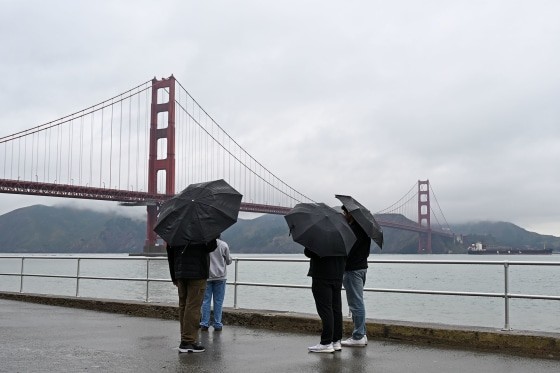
[78, 276]
[505, 295]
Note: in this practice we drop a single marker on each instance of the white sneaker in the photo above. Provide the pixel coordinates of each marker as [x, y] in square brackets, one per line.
[321, 348]
[337, 346]
[351, 342]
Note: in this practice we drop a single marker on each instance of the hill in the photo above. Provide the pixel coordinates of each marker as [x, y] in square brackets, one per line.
[43, 229]
[504, 234]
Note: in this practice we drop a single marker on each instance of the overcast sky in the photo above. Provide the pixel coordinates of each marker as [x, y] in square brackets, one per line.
[350, 97]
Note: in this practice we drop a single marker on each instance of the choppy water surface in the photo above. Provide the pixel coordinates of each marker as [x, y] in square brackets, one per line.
[526, 314]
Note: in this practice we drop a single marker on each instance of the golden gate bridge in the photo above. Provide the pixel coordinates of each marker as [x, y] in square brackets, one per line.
[143, 145]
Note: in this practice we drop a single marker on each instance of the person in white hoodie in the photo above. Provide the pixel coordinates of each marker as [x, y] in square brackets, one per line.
[216, 286]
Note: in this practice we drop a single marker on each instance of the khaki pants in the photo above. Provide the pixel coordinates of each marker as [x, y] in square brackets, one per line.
[191, 294]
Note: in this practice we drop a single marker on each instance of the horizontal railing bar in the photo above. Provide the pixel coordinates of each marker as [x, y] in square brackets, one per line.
[529, 296]
[258, 284]
[436, 292]
[95, 278]
[144, 258]
[301, 260]
[473, 262]
[270, 285]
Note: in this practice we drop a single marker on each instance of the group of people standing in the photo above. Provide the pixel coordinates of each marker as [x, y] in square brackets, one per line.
[199, 271]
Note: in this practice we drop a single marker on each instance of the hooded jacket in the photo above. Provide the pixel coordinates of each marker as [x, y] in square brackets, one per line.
[219, 260]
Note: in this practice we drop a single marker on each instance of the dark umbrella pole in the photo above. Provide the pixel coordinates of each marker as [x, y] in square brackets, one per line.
[363, 217]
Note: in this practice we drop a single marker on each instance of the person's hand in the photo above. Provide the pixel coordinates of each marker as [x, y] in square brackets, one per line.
[175, 282]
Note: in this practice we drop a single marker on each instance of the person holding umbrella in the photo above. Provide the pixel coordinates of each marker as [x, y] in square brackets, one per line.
[190, 223]
[326, 285]
[327, 238]
[365, 228]
[188, 266]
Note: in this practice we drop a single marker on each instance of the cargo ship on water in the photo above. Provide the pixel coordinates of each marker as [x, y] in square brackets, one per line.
[483, 249]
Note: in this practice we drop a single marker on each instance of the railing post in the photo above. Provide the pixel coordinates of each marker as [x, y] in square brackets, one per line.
[506, 296]
[21, 276]
[78, 278]
[235, 284]
[147, 279]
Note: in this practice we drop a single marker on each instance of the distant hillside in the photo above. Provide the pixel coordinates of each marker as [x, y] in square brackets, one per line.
[42, 229]
[265, 234]
[506, 234]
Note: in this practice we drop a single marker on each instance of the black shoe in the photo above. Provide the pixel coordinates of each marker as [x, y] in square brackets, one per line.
[191, 347]
[204, 328]
[218, 329]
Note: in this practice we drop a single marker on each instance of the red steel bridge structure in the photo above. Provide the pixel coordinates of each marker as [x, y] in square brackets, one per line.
[143, 145]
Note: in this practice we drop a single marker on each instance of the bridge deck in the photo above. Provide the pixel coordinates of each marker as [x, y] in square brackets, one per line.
[38, 338]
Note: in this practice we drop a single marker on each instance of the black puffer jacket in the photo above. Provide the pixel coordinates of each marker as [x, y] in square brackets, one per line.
[190, 261]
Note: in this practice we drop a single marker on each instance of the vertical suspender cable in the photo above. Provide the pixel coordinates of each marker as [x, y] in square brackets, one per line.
[70, 138]
[120, 141]
[137, 140]
[81, 149]
[49, 162]
[91, 152]
[111, 148]
[129, 139]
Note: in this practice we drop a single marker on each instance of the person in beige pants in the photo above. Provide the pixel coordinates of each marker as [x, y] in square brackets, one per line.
[189, 269]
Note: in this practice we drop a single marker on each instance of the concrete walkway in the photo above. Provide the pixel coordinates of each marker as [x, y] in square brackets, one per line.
[42, 338]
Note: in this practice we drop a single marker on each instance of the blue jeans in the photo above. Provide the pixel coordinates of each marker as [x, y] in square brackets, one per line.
[354, 282]
[217, 290]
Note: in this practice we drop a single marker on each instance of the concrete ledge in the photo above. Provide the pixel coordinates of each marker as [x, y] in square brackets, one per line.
[527, 343]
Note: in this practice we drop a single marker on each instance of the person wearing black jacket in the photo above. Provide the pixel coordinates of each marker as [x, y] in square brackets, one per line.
[354, 282]
[189, 268]
[326, 273]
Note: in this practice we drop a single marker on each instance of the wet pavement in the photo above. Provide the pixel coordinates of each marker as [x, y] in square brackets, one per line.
[41, 338]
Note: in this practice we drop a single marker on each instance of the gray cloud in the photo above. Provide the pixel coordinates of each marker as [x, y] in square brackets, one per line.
[356, 97]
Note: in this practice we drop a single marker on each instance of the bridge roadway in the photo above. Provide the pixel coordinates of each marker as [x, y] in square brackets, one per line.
[44, 338]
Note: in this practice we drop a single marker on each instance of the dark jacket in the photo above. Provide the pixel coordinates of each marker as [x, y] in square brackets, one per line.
[358, 255]
[191, 261]
[327, 267]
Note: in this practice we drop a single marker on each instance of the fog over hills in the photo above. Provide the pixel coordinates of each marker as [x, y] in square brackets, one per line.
[44, 229]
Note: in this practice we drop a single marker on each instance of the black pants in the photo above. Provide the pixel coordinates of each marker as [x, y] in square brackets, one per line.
[329, 307]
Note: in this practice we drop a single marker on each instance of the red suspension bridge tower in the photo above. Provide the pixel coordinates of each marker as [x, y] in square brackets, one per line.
[424, 210]
[159, 130]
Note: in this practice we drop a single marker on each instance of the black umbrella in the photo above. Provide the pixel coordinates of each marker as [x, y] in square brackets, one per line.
[321, 229]
[363, 217]
[199, 213]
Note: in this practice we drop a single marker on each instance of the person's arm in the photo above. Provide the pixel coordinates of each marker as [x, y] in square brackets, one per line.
[227, 257]
[171, 261]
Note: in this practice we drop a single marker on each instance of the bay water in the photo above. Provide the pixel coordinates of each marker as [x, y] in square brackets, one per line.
[525, 314]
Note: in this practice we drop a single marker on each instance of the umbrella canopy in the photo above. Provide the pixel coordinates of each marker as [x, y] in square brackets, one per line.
[363, 217]
[199, 213]
[321, 229]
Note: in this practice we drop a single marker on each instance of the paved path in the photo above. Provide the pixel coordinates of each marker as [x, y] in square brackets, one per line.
[40, 338]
